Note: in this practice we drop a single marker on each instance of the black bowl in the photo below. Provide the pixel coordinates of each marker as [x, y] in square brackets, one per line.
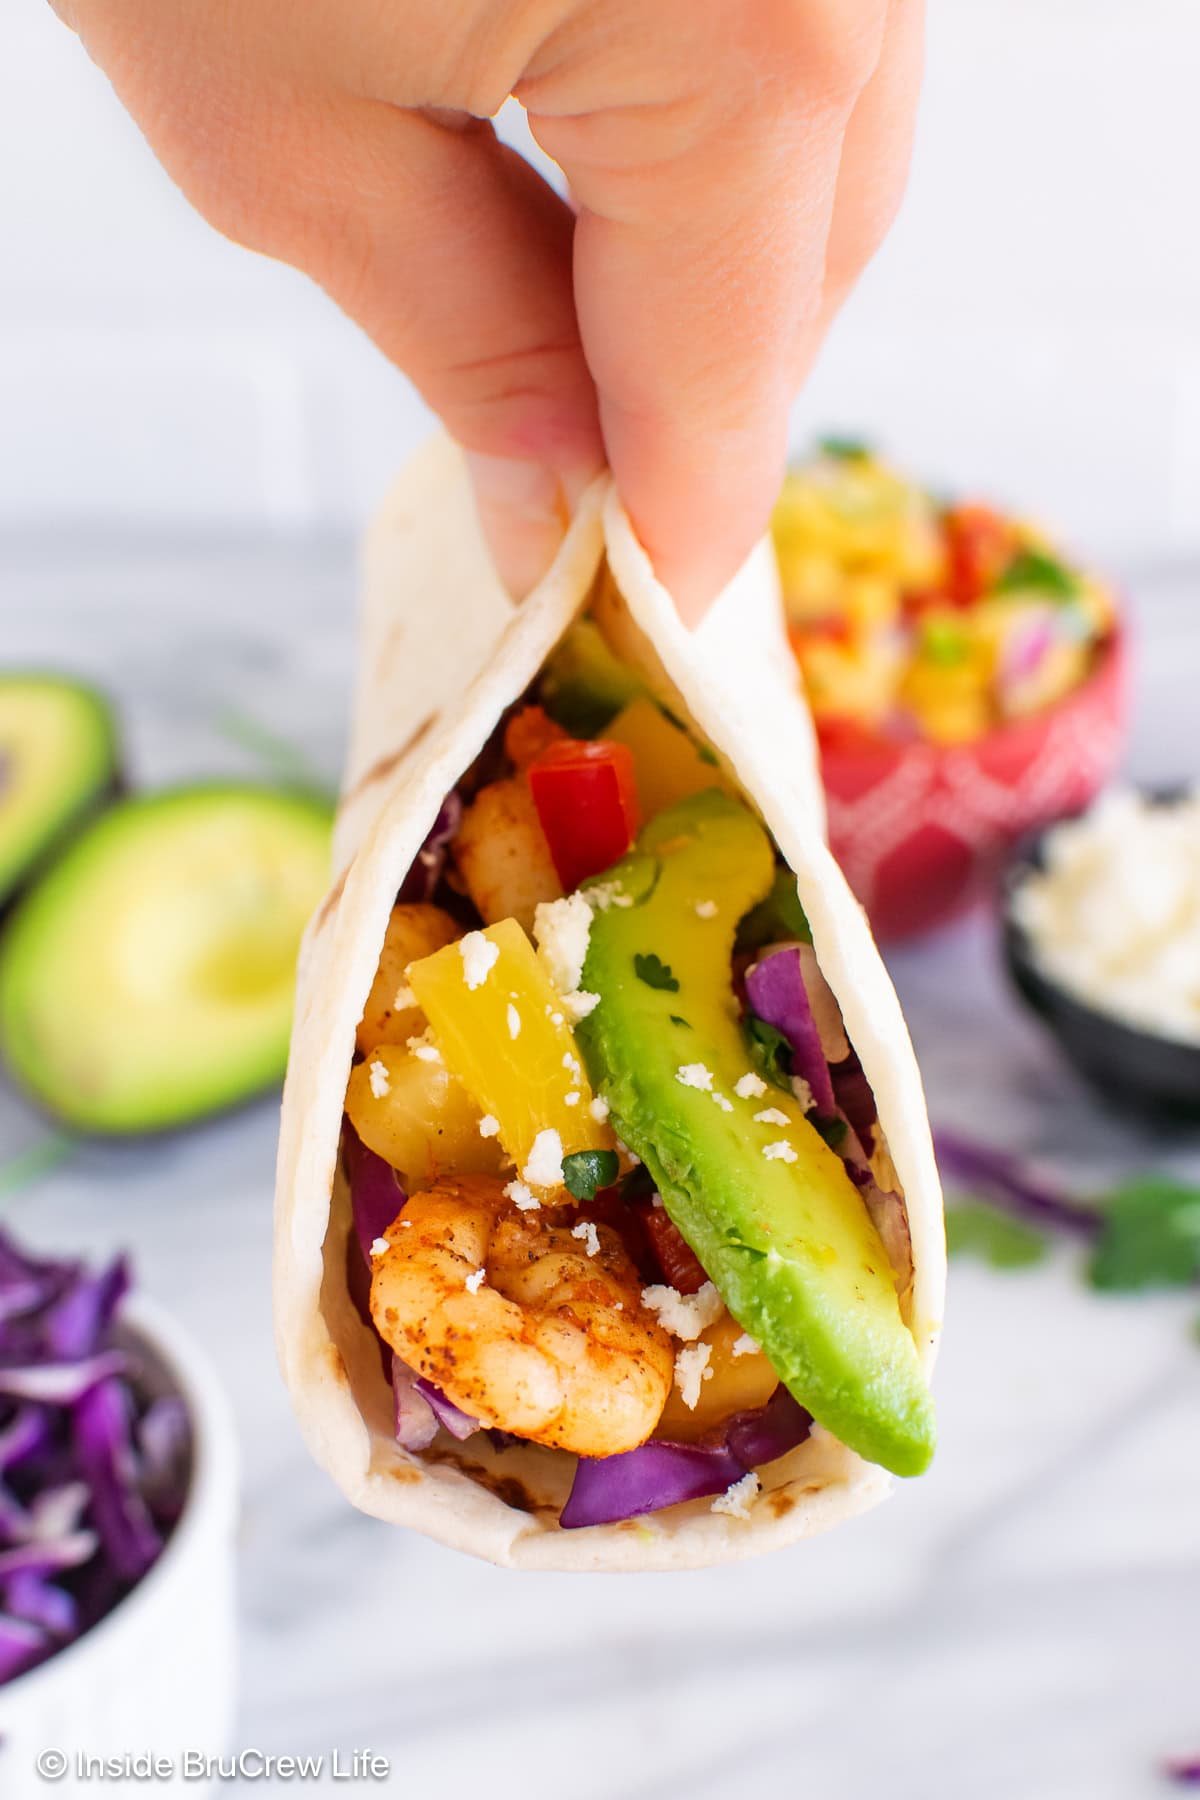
[1156, 1077]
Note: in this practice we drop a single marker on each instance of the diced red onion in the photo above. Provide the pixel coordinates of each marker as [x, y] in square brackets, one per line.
[607, 1489]
[60, 1384]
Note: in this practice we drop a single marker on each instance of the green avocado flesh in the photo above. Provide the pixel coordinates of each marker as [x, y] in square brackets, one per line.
[57, 760]
[147, 980]
[583, 685]
[789, 1244]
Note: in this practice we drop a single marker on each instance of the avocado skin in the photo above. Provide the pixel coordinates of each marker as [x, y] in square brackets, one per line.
[93, 783]
[789, 1245]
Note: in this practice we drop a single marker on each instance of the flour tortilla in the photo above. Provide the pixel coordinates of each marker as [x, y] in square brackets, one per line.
[444, 653]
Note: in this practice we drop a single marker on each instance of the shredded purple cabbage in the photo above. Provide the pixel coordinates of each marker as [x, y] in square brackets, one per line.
[415, 1421]
[421, 881]
[1184, 1770]
[999, 1177]
[93, 1469]
[776, 990]
[376, 1197]
[607, 1489]
[458, 1423]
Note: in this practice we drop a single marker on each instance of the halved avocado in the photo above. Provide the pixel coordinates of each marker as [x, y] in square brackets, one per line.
[58, 763]
[146, 981]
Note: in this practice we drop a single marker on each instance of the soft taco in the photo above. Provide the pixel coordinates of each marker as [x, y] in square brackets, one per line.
[608, 1230]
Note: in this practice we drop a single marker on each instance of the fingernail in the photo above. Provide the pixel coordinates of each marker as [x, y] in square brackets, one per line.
[524, 512]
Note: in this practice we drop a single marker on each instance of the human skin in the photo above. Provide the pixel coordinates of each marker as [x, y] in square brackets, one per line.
[732, 166]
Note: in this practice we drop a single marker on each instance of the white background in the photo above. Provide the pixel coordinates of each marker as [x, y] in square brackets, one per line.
[1033, 326]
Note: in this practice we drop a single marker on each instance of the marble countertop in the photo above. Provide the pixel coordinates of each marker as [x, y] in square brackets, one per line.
[1022, 1623]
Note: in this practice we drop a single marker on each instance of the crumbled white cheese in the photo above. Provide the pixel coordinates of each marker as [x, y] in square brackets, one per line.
[706, 909]
[590, 1237]
[599, 1109]
[377, 1075]
[474, 1282]
[779, 1151]
[771, 1115]
[571, 1099]
[514, 1021]
[803, 1093]
[691, 1368]
[608, 893]
[736, 1499]
[684, 1315]
[750, 1087]
[720, 1101]
[380, 1247]
[1114, 915]
[521, 1197]
[561, 929]
[656, 1199]
[573, 1067]
[695, 1075]
[745, 1345]
[581, 1004]
[479, 957]
[489, 1125]
[544, 1167]
[404, 997]
[424, 1048]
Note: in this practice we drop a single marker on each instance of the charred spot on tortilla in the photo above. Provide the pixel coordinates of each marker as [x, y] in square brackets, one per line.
[383, 766]
[331, 900]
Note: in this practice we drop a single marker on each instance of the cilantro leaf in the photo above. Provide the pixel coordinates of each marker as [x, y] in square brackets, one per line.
[777, 917]
[1149, 1236]
[943, 644]
[844, 449]
[655, 973]
[975, 1229]
[586, 1171]
[832, 1130]
[676, 1020]
[770, 1051]
[1035, 569]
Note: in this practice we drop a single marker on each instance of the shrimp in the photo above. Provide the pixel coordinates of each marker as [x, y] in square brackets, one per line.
[517, 1324]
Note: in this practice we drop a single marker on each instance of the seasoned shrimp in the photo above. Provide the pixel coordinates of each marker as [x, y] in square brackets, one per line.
[517, 1324]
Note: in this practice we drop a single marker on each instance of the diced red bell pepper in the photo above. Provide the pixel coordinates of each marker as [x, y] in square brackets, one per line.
[587, 800]
[679, 1263]
[979, 547]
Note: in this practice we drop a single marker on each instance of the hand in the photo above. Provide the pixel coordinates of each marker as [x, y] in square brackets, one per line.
[734, 164]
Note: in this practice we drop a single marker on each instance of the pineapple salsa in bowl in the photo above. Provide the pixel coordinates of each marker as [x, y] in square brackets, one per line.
[964, 674]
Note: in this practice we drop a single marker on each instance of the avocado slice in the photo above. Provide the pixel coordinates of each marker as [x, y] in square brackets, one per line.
[146, 980]
[584, 685]
[58, 762]
[782, 1232]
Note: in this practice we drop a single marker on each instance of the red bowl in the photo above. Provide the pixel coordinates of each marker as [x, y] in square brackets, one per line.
[921, 829]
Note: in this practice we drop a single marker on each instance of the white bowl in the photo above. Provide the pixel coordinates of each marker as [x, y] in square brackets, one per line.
[156, 1676]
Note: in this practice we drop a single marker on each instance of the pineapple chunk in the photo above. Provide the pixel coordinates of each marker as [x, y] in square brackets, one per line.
[413, 930]
[732, 1384]
[508, 1041]
[413, 1113]
[670, 765]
